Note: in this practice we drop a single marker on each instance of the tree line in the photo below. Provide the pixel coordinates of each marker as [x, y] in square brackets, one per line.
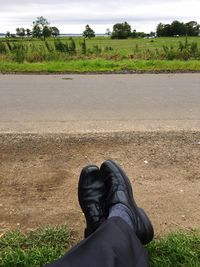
[41, 29]
[177, 28]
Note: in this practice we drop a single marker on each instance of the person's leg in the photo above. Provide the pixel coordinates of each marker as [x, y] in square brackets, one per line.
[113, 244]
[120, 201]
[116, 227]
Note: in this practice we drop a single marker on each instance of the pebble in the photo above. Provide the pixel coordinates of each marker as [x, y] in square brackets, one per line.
[183, 217]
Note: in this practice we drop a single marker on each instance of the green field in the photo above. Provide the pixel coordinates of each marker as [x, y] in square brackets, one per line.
[100, 54]
[129, 46]
[36, 248]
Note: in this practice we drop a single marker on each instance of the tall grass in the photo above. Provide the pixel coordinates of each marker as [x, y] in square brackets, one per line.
[47, 51]
[70, 49]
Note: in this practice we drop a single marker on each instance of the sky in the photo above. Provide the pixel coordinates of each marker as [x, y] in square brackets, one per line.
[72, 16]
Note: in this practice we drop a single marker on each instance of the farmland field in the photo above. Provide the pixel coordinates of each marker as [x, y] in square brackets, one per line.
[129, 45]
[100, 54]
[126, 45]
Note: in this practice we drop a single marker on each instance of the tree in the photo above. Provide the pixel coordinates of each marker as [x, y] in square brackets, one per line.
[192, 28]
[41, 22]
[28, 32]
[108, 32]
[159, 29]
[20, 32]
[134, 34]
[46, 32]
[88, 33]
[41, 28]
[167, 30]
[121, 31]
[152, 34]
[8, 35]
[163, 30]
[54, 31]
[141, 34]
[177, 28]
[36, 31]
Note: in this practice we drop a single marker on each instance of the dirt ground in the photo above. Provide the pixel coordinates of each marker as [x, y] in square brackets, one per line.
[39, 175]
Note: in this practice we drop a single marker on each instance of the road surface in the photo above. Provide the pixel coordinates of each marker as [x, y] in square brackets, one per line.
[87, 103]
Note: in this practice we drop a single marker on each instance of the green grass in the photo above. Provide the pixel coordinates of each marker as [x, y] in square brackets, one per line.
[36, 248]
[101, 54]
[98, 65]
[181, 249]
[127, 45]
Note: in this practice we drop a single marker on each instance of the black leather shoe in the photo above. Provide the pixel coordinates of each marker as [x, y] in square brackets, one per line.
[91, 196]
[119, 190]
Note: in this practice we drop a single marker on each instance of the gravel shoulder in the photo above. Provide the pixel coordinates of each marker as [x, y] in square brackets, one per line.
[39, 175]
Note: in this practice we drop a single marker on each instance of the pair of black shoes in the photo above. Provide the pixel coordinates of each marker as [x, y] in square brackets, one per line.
[99, 189]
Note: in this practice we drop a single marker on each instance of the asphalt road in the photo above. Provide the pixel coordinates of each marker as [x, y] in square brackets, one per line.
[90, 103]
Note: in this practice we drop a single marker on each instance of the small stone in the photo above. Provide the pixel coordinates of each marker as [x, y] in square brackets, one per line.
[183, 217]
[146, 161]
[181, 190]
[1, 235]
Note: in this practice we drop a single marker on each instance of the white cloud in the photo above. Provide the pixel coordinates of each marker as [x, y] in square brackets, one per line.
[71, 16]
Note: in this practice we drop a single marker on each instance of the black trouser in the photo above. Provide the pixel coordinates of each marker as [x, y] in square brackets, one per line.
[113, 244]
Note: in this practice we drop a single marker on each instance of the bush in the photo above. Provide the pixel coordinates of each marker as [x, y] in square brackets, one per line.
[169, 52]
[9, 46]
[185, 51]
[49, 47]
[194, 47]
[60, 46]
[96, 49]
[3, 49]
[72, 46]
[19, 56]
[108, 48]
[83, 46]
[19, 51]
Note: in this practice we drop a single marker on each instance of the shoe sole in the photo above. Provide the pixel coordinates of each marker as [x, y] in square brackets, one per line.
[146, 222]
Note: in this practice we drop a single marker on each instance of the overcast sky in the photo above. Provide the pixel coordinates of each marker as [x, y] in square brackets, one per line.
[72, 16]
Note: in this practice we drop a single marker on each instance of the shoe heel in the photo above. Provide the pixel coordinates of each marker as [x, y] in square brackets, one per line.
[147, 238]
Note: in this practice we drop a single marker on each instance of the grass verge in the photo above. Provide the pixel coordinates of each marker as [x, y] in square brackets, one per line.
[100, 65]
[36, 248]
[180, 249]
